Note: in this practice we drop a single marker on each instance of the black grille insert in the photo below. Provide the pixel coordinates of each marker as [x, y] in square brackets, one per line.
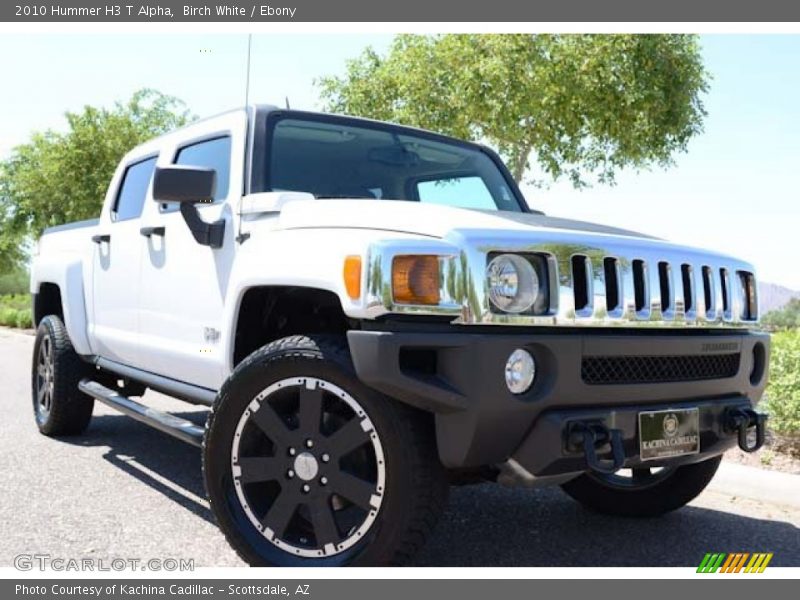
[608, 370]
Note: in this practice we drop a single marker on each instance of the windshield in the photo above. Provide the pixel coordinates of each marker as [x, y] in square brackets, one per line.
[340, 159]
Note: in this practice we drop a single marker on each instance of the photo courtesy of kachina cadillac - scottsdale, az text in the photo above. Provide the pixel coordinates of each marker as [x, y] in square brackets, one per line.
[426, 299]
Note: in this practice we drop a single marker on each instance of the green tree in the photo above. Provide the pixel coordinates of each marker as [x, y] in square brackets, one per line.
[59, 177]
[787, 317]
[579, 106]
[14, 282]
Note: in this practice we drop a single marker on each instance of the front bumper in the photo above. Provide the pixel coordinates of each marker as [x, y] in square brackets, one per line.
[459, 377]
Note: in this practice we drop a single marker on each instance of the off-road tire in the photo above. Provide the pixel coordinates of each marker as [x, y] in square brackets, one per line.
[415, 484]
[69, 410]
[677, 489]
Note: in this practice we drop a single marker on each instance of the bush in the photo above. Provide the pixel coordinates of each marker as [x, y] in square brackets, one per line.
[15, 311]
[24, 318]
[8, 316]
[783, 391]
[786, 317]
[16, 301]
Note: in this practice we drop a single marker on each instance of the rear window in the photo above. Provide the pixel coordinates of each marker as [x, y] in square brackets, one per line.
[133, 190]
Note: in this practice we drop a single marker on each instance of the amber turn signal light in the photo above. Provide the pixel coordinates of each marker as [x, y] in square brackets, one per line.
[352, 276]
[415, 279]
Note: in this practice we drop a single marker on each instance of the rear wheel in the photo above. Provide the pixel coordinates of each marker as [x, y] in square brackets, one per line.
[306, 466]
[58, 406]
[642, 491]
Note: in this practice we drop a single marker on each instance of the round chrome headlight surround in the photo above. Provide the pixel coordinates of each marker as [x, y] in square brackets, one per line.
[513, 283]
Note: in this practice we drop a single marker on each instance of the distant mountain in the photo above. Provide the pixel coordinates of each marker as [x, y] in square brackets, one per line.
[772, 296]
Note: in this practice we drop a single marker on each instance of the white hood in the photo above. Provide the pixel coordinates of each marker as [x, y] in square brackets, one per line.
[423, 219]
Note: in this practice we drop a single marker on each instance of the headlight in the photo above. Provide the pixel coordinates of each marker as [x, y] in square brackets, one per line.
[513, 283]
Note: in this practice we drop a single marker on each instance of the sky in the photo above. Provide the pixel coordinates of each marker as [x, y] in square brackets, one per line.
[734, 191]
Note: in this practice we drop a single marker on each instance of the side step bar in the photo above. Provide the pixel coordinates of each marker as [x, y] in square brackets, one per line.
[165, 385]
[182, 429]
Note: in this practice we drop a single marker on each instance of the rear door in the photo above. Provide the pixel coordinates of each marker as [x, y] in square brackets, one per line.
[117, 264]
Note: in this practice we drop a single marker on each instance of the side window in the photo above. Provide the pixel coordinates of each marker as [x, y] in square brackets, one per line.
[213, 154]
[464, 192]
[132, 191]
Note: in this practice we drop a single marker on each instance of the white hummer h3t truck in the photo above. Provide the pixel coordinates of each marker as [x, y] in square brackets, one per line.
[372, 314]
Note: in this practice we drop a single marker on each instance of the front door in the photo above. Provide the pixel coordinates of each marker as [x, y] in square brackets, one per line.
[184, 284]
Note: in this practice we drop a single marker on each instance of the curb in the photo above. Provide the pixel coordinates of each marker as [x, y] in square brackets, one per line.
[17, 333]
[771, 487]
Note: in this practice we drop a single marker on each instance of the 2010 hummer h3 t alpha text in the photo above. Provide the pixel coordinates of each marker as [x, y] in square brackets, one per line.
[373, 313]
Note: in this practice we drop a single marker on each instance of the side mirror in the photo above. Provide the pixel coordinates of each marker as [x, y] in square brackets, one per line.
[190, 186]
[179, 183]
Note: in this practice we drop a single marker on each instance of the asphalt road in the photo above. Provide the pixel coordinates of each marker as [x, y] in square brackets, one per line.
[124, 490]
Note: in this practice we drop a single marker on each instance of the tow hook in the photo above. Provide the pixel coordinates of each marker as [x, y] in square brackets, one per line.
[741, 420]
[591, 436]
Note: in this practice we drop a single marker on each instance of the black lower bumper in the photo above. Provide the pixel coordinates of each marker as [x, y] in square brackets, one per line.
[460, 378]
[546, 451]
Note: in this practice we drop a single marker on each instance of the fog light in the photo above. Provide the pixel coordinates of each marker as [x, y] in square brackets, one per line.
[520, 371]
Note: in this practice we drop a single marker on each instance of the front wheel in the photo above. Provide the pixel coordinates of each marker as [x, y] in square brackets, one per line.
[642, 491]
[304, 465]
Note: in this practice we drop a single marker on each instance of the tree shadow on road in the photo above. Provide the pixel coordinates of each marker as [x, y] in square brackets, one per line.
[169, 466]
[485, 525]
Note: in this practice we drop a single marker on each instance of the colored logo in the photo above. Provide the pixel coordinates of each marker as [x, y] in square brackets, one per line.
[737, 562]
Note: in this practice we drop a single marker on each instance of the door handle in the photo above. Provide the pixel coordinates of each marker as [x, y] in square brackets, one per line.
[101, 237]
[151, 231]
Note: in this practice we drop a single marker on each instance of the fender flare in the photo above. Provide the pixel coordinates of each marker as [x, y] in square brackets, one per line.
[67, 273]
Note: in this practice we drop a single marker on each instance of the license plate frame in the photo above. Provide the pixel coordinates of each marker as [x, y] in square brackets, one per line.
[669, 433]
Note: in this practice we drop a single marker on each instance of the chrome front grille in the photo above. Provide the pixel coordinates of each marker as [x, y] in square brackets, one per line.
[593, 280]
[638, 289]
